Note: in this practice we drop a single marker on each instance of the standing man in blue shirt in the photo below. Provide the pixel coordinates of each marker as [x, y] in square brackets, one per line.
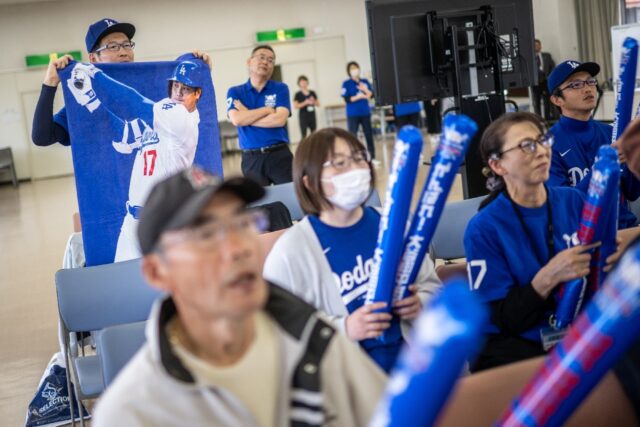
[573, 89]
[259, 109]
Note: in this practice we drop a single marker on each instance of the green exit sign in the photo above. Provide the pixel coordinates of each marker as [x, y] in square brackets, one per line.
[43, 59]
[280, 35]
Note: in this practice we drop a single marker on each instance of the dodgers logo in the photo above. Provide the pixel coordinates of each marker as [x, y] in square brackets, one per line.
[109, 22]
[573, 65]
[270, 100]
[437, 327]
[571, 240]
[452, 144]
[183, 70]
[149, 137]
[432, 330]
[576, 175]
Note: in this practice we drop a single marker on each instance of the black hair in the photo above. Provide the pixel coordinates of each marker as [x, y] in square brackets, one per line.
[491, 145]
[351, 63]
[170, 85]
[263, 46]
[556, 92]
[311, 154]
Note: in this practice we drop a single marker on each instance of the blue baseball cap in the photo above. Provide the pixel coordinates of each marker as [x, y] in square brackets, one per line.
[566, 69]
[178, 200]
[104, 27]
[191, 73]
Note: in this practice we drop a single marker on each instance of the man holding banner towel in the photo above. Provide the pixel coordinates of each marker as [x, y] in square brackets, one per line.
[573, 87]
[259, 109]
[107, 41]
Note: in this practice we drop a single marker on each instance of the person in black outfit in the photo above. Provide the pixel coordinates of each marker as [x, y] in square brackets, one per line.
[306, 101]
[544, 65]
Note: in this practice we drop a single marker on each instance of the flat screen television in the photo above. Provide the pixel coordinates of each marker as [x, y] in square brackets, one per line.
[414, 54]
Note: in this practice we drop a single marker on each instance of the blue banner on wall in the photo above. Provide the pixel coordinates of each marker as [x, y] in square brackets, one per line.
[129, 130]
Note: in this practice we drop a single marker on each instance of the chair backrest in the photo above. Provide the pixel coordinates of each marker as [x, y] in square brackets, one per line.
[278, 214]
[116, 345]
[447, 242]
[286, 194]
[6, 157]
[635, 208]
[92, 298]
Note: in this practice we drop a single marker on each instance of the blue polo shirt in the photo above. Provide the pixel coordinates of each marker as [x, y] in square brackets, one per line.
[273, 94]
[407, 108]
[360, 107]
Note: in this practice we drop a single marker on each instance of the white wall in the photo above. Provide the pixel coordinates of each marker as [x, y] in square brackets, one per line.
[336, 33]
[226, 29]
[555, 25]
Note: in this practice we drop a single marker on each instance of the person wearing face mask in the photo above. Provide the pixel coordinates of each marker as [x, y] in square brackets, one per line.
[357, 92]
[326, 258]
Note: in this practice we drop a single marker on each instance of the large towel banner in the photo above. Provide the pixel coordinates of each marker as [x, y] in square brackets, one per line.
[129, 129]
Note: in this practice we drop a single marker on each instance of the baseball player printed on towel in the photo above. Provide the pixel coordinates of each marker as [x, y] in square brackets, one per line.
[162, 136]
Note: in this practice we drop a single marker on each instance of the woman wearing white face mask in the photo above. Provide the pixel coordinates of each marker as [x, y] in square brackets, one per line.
[326, 258]
[356, 93]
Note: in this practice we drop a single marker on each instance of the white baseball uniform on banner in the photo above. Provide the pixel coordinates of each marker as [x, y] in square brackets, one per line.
[166, 149]
[161, 150]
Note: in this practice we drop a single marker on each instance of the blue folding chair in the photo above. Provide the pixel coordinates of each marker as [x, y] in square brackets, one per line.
[447, 242]
[90, 299]
[116, 345]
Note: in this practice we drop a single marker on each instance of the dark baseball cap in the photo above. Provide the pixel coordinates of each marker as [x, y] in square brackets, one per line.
[177, 202]
[104, 27]
[566, 69]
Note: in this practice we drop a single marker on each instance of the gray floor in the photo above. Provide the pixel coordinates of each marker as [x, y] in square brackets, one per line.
[35, 223]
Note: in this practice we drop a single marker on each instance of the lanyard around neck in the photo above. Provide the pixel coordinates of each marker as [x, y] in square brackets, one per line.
[550, 244]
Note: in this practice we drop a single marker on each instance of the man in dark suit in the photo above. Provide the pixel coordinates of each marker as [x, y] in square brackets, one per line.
[544, 65]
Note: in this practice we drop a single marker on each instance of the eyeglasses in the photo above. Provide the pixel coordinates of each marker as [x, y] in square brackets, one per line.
[579, 84]
[182, 89]
[115, 47]
[209, 235]
[340, 161]
[528, 145]
[269, 59]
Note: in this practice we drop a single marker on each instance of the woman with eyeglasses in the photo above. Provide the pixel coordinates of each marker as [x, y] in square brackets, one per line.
[523, 241]
[326, 258]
